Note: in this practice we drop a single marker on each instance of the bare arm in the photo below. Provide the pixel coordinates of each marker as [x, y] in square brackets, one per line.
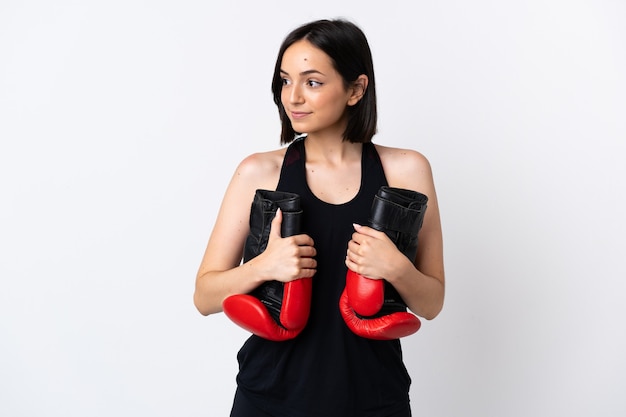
[221, 273]
[421, 283]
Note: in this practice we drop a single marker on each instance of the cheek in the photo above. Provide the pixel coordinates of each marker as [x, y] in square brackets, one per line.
[338, 104]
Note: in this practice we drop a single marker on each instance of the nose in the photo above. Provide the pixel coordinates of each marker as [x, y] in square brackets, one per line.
[295, 94]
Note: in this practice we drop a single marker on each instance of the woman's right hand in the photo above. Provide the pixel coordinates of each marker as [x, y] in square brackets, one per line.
[286, 258]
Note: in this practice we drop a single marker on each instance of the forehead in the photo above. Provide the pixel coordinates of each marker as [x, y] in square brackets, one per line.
[304, 54]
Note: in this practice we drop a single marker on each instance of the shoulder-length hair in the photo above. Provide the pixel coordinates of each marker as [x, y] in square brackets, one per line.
[349, 51]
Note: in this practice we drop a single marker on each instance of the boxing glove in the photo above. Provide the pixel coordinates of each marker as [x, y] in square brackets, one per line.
[373, 308]
[276, 311]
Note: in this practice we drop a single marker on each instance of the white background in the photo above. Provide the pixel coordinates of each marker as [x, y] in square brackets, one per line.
[121, 123]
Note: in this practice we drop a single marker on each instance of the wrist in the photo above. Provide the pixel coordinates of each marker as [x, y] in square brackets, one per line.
[402, 267]
[254, 271]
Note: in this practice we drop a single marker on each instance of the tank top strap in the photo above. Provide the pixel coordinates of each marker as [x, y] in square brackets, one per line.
[373, 172]
[293, 171]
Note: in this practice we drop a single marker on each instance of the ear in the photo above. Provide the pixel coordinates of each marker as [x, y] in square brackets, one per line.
[357, 90]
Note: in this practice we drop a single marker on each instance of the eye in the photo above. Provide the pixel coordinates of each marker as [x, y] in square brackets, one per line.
[285, 81]
[314, 84]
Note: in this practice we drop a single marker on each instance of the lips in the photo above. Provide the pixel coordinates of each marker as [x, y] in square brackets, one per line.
[298, 114]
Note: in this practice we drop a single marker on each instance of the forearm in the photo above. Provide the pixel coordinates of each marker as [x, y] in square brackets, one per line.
[213, 287]
[423, 294]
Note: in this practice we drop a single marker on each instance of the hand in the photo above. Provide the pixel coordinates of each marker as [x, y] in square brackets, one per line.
[289, 258]
[373, 255]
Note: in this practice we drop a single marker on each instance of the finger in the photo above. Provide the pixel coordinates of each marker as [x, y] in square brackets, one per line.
[351, 265]
[357, 238]
[353, 257]
[366, 230]
[354, 247]
[361, 238]
[275, 225]
[308, 263]
[302, 240]
[307, 251]
[307, 272]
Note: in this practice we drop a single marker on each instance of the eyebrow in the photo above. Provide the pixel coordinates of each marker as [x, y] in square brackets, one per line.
[307, 72]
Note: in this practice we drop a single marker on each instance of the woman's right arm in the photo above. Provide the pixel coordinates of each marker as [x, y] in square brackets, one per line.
[221, 273]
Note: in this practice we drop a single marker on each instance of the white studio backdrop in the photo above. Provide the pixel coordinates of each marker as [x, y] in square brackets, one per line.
[121, 123]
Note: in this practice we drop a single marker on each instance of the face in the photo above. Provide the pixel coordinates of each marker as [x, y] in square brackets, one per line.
[314, 94]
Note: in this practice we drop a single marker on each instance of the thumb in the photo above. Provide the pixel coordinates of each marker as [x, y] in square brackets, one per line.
[276, 224]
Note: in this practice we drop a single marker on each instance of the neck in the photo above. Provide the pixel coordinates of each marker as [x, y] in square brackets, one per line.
[331, 150]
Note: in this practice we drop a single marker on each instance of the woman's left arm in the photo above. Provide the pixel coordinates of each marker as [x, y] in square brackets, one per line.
[420, 282]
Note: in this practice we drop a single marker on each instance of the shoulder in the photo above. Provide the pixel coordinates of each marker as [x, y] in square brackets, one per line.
[261, 169]
[404, 168]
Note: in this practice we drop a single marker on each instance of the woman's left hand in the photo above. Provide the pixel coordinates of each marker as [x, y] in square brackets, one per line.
[372, 254]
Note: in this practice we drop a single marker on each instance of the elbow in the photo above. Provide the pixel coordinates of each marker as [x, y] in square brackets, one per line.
[200, 306]
[432, 314]
[435, 306]
[434, 311]
[431, 311]
[203, 312]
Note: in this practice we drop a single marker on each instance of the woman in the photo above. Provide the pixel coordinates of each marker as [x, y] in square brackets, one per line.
[324, 88]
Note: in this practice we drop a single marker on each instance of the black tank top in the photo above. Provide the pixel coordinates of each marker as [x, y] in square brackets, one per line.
[326, 371]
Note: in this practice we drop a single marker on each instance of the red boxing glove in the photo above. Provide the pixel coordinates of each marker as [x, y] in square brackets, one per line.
[274, 311]
[384, 327]
[252, 313]
[373, 308]
[366, 295]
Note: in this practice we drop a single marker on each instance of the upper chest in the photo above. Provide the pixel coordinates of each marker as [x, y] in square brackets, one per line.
[334, 184]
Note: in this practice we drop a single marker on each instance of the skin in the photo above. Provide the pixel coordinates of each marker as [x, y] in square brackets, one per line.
[315, 99]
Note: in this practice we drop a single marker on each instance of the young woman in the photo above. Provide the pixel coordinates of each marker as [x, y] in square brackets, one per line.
[324, 88]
